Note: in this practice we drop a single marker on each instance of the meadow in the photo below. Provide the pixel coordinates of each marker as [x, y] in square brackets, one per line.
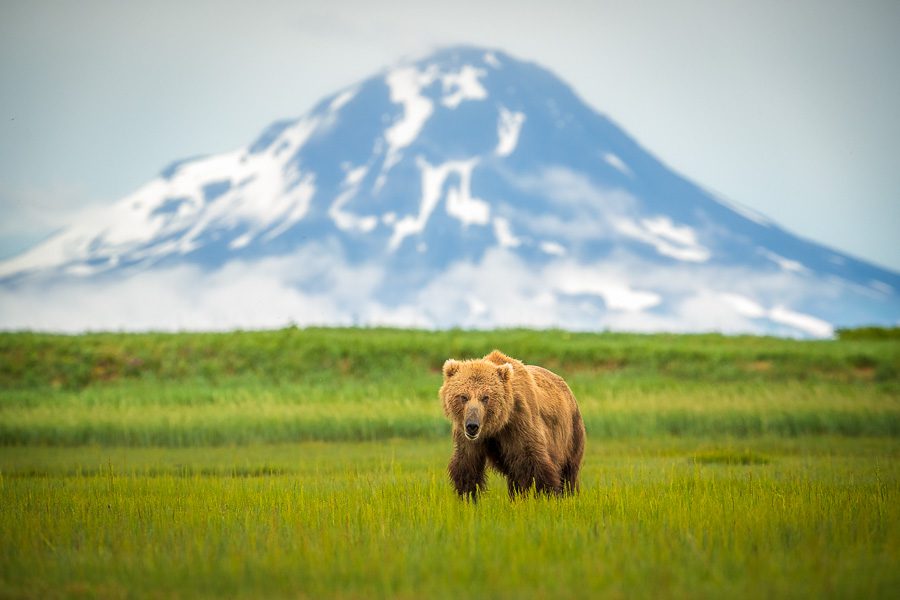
[311, 463]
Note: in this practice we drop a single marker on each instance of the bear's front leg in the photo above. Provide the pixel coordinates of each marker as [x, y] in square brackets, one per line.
[467, 466]
[547, 479]
[537, 472]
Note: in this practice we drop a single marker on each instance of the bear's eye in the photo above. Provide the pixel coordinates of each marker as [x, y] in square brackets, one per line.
[461, 399]
[484, 399]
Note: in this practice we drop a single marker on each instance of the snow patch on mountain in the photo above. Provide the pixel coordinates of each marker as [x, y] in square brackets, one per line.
[504, 233]
[348, 221]
[341, 99]
[509, 125]
[491, 59]
[294, 207]
[617, 163]
[293, 138]
[676, 241]
[405, 84]
[460, 202]
[785, 263]
[463, 85]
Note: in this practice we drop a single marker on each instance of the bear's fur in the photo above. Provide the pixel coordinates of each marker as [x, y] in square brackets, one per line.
[528, 425]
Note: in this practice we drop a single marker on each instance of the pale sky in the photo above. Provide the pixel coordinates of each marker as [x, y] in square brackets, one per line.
[790, 108]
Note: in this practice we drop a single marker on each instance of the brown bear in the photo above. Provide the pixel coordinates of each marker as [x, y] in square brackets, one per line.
[522, 419]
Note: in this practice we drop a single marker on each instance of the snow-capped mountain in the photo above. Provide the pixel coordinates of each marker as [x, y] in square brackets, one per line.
[468, 189]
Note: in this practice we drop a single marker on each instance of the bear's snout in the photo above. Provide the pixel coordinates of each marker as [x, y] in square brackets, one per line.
[474, 414]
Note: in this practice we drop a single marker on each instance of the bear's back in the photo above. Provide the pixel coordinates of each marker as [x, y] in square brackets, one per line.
[554, 393]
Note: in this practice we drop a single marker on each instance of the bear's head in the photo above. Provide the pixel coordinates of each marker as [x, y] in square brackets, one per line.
[477, 396]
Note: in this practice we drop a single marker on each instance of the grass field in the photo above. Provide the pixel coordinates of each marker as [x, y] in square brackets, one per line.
[311, 463]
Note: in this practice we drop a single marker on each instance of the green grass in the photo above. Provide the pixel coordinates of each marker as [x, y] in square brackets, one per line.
[311, 463]
[821, 518]
[141, 413]
[731, 457]
[30, 360]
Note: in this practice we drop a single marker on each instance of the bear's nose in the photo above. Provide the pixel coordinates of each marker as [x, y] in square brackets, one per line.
[471, 428]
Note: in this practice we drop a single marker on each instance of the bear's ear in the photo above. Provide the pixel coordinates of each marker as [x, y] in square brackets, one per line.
[505, 371]
[450, 368]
